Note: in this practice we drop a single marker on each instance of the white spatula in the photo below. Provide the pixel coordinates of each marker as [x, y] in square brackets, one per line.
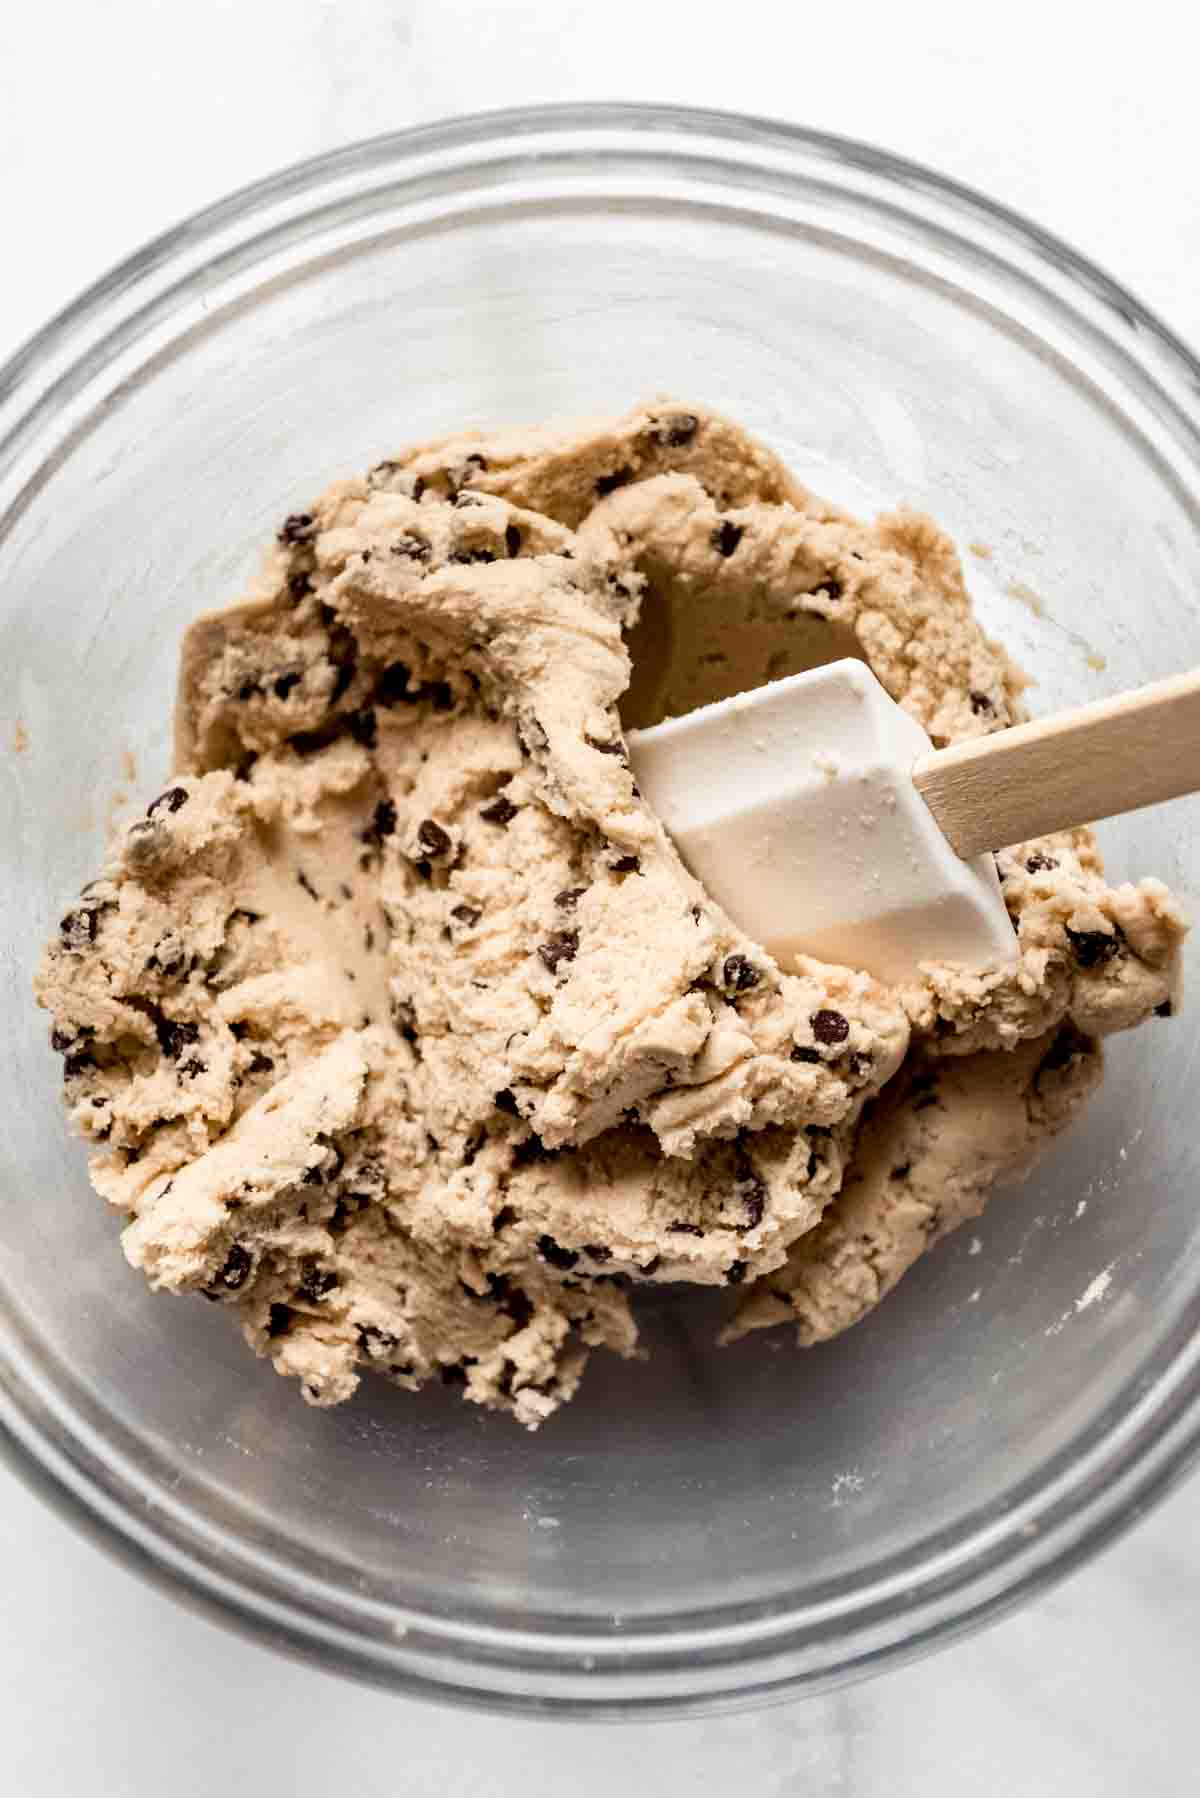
[817, 814]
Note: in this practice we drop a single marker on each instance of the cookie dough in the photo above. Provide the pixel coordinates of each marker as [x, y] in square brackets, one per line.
[397, 1025]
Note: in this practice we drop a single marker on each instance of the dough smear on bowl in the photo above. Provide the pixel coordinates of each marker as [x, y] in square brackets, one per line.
[397, 1025]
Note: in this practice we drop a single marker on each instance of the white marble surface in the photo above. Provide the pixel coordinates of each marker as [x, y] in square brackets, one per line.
[119, 116]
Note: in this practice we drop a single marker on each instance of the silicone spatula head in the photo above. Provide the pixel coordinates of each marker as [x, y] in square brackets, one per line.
[794, 805]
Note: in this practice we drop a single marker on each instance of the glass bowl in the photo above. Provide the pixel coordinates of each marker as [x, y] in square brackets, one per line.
[707, 1527]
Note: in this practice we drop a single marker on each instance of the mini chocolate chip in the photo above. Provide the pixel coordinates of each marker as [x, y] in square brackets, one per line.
[414, 549]
[830, 1027]
[1039, 863]
[832, 586]
[608, 483]
[560, 946]
[532, 736]
[441, 695]
[677, 429]
[297, 527]
[512, 539]
[1092, 948]
[501, 811]
[309, 742]
[569, 898]
[472, 1148]
[77, 1063]
[374, 1340]
[364, 727]
[174, 1036]
[306, 883]
[383, 823]
[405, 1020]
[651, 1268]
[466, 915]
[312, 1176]
[193, 1066]
[627, 864]
[285, 682]
[279, 1319]
[473, 555]
[299, 586]
[393, 686]
[78, 928]
[1165, 1010]
[981, 704]
[454, 1376]
[739, 974]
[726, 537]
[432, 840]
[555, 1254]
[605, 745]
[597, 1251]
[260, 1063]
[236, 1270]
[859, 1064]
[245, 765]
[315, 1282]
[345, 671]
[466, 471]
[503, 1218]
[172, 799]
[902, 1172]
[60, 1040]
[801, 1052]
[505, 1101]
[735, 1273]
[680, 1228]
[531, 1150]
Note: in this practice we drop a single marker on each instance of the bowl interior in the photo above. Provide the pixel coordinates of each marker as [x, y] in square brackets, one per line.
[886, 367]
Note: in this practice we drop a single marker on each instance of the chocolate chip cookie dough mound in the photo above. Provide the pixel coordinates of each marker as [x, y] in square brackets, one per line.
[398, 1026]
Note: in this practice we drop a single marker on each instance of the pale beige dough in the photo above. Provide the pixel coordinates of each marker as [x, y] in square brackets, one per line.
[399, 1027]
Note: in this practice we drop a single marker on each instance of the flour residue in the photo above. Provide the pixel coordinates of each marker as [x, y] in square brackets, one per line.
[1092, 1294]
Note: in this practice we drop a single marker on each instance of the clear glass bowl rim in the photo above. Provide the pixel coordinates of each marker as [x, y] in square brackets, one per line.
[1126, 1460]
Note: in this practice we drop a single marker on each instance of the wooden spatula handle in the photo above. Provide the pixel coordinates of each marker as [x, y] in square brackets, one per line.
[1100, 760]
